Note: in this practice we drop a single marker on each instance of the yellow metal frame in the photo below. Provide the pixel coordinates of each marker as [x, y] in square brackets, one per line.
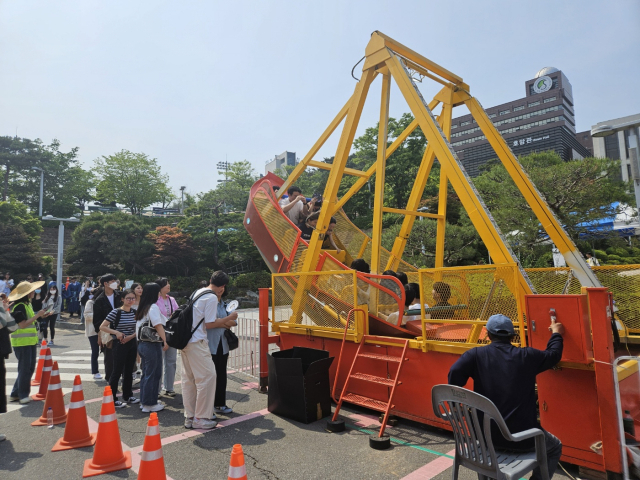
[392, 60]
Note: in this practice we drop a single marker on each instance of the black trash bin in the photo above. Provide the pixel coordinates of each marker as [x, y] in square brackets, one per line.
[299, 384]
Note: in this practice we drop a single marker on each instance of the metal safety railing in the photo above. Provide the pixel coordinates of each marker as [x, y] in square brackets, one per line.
[246, 358]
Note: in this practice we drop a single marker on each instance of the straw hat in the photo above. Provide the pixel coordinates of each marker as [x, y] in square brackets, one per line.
[23, 288]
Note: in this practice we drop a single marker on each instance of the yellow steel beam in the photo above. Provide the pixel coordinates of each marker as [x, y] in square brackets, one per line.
[533, 197]
[461, 182]
[379, 38]
[444, 185]
[409, 212]
[297, 171]
[328, 166]
[381, 165]
[331, 189]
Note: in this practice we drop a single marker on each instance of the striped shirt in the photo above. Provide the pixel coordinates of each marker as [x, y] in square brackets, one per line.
[127, 324]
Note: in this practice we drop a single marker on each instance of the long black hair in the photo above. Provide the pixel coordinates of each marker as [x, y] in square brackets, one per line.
[149, 297]
[48, 296]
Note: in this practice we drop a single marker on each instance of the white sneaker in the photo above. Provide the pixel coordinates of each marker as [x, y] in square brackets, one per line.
[204, 424]
[133, 400]
[188, 422]
[25, 400]
[3, 437]
[153, 408]
[97, 376]
[224, 410]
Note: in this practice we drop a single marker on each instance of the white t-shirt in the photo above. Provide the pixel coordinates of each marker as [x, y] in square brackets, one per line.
[110, 298]
[207, 307]
[294, 212]
[154, 315]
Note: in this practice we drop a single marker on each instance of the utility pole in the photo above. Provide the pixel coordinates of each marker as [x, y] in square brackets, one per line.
[182, 200]
[224, 166]
[60, 246]
[41, 188]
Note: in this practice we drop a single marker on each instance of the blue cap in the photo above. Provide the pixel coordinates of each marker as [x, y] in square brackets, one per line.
[500, 325]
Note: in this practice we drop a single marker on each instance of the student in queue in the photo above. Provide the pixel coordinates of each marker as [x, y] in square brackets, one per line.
[107, 301]
[7, 325]
[91, 334]
[53, 304]
[24, 340]
[219, 347]
[121, 324]
[150, 348]
[167, 305]
[198, 370]
[506, 375]
[137, 289]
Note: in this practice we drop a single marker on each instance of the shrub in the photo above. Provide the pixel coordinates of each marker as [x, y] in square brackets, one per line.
[252, 281]
[600, 255]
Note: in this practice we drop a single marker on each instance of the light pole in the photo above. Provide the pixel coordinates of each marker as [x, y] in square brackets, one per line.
[41, 188]
[224, 166]
[182, 200]
[60, 246]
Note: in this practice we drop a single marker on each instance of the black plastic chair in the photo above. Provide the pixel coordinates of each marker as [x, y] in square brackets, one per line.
[474, 447]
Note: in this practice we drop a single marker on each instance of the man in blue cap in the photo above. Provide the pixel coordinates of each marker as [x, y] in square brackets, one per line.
[506, 375]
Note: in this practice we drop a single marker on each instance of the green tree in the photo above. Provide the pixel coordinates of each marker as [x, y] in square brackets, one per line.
[235, 191]
[115, 241]
[172, 248]
[19, 238]
[130, 179]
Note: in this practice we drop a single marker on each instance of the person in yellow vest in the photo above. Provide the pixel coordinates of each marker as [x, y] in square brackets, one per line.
[25, 339]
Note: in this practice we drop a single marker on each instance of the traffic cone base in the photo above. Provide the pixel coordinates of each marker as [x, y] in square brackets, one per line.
[76, 432]
[54, 400]
[91, 470]
[107, 454]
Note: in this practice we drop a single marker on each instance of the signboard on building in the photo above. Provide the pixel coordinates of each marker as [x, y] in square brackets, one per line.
[542, 84]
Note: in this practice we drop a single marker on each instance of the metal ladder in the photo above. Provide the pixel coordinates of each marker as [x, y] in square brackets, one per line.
[361, 353]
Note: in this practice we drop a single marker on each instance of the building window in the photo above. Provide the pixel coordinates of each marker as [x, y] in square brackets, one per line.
[520, 107]
[454, 126]
[611, 147]
[533, 104]
[465, 123]
[550, 99]
[504, 112]
[493, 115]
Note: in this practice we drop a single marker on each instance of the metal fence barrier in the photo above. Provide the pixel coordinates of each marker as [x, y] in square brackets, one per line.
[245, 359]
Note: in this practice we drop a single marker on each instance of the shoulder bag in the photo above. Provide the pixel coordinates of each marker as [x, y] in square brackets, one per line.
[148, 333]
[232, 339]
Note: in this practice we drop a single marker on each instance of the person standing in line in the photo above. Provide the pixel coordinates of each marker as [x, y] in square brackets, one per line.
[85, 292]
[38, 298]
[219, 348]
[75, 288]
[24, 340]
[137, 289]
[91, 334]
[150, 350]
[52, 304]
[167, 306]
[108, 300]
[7, 325]
[6, 283]
[198, 370]
[121, 324]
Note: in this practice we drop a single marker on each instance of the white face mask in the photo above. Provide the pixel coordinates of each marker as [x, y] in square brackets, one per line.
[113, 285]
[53, 291]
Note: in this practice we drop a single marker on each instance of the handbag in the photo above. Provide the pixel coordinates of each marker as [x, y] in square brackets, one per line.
[148, 333]
[232, 339]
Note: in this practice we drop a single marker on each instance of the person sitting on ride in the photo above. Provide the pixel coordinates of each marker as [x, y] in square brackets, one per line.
[409, 299]
[441, 293]
[360, 265]
[415, 305]
[310, 224]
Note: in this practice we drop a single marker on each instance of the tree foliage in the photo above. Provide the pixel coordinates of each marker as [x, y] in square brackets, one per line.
[130, 179]
[19, 238]
[173, 250]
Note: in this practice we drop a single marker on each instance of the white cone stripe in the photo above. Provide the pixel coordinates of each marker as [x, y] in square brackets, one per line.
[79, 404]
[77, 388]
[46, 369]
[107, 399]
[151, 456]
[107, 418]
[237, 472]
[55, 386]
[47, 357]
[153, 430]
[55, 373]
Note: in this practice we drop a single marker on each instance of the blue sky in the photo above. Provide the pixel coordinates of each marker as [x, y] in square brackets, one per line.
[193, 83]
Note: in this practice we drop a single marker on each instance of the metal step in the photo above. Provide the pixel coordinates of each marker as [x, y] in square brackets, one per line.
[374, 379]
[367, 402]
[384, 358]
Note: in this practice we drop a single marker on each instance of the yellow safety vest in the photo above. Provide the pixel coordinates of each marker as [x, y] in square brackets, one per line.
[24, 337]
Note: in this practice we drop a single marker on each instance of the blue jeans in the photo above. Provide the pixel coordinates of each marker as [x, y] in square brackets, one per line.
[26, 366]
[170, 359]
[151, 359]
[95, 353]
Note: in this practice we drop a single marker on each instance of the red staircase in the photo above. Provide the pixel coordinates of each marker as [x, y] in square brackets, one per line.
[366, 352]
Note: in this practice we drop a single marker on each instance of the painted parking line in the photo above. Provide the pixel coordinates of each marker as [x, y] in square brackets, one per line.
[433, 468]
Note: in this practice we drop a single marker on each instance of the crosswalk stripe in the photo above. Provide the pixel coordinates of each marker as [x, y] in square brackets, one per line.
[60, 358]
[72, 352]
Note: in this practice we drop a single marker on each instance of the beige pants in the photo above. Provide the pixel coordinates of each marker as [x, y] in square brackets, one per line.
[198, 380]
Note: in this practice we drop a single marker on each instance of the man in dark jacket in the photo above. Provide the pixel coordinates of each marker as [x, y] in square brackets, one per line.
[506, 375]
[102, 306]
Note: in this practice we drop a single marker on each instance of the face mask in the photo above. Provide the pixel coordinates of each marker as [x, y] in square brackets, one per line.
[38, 290]
[113, 285]
[53, 290]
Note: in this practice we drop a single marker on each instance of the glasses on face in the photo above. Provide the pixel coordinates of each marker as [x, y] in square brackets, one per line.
[130, 299]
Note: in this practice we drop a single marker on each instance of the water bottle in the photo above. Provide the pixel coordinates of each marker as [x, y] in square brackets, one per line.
[49, 418]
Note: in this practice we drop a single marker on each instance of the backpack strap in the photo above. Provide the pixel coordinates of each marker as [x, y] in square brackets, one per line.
[117, 321]
[193, 300]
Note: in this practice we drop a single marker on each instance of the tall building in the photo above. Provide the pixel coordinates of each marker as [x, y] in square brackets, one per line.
[613, 139]
[285, 158]
[542, 120]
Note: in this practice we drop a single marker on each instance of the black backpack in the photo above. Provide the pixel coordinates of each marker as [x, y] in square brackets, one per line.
[178, 329]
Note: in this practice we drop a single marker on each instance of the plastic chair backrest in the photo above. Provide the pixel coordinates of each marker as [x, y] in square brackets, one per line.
[474, 446]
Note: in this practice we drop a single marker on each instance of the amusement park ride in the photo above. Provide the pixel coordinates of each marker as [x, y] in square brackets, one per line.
[317, 301]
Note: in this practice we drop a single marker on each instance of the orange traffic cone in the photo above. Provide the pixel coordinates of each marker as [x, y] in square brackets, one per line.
[151, 462]
[54, 400]
[43, 353]
[107, 454]
[46, 374]
[237, 469]
[76, 431]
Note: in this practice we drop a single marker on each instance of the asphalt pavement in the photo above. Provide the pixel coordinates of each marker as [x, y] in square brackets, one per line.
[274, 447]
